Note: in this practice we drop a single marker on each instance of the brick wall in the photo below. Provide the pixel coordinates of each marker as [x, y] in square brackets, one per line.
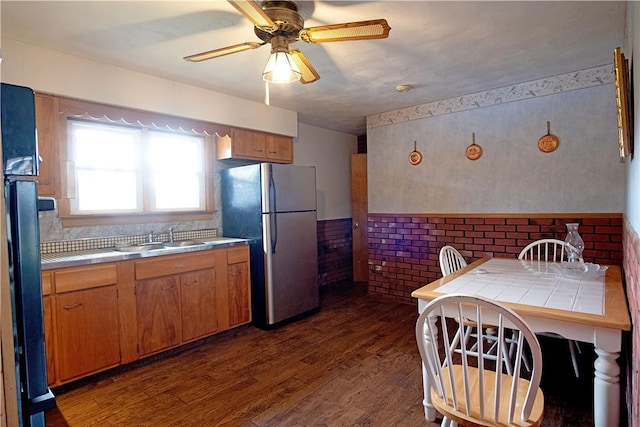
[403, 249]
[335, 260]
[631, 341]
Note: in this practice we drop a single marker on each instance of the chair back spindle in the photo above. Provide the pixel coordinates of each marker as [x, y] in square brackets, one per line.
[466, 386]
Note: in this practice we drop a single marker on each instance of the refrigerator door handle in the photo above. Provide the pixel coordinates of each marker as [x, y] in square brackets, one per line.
[273, 218]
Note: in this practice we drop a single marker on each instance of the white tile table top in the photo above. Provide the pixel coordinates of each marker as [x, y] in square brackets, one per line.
[531, 283]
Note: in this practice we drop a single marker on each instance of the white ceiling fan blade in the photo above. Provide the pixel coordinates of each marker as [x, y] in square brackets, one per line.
[363, 30]
[309, 74]
[254, 13]
[197, 57]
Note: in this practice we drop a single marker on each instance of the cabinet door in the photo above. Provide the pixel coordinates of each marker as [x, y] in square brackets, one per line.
[248, 144]
[48, 339]
[239, 299]
[87, 331]
[198, 295]
[47, 123]
[279, 148]
[158, 311]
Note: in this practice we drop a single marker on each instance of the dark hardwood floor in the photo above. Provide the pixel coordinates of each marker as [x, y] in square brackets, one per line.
[353, 363]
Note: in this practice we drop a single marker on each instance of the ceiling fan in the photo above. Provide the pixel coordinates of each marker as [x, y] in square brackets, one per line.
[278, 22]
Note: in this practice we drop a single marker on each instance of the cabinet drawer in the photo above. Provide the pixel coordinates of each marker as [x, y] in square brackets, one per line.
[236, 255]
[94, 276]
[174, 264]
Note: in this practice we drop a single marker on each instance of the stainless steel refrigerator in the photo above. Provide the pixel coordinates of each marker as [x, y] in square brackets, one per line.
[20, 166]
[274, 205]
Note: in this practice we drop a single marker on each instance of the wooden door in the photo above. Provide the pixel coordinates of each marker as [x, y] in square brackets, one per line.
[87, 331]
[158, 308]
[359, 212]
[198, 295]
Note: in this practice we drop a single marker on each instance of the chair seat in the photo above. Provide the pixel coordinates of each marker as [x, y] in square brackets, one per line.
[460, 415]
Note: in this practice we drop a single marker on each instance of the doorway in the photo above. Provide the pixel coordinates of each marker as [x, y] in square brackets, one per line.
[359, 212]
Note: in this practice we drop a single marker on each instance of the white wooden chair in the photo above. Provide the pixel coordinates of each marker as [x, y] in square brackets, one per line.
[450, 260]
[467, 388]
[552, 250]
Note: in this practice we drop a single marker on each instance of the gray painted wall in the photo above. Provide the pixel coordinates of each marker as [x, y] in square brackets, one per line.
[513, 176]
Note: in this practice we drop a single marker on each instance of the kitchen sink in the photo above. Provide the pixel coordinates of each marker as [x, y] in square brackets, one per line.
[182, 244]
[140, 248]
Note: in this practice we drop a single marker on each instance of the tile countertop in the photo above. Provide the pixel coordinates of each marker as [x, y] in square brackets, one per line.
[95, 256]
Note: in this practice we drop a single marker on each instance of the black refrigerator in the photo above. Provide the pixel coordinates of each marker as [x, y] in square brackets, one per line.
[20, 165]
[274, 205]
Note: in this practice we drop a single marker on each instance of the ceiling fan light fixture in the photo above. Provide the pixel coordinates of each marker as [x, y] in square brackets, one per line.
[280, 68]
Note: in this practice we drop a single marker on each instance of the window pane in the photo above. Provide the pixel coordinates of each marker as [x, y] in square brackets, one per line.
[106, 191]
[172, 193]
[105, 147]
[108, 172]
[176, 162]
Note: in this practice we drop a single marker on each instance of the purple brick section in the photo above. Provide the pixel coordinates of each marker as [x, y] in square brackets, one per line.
[403, 249]
[335, 256]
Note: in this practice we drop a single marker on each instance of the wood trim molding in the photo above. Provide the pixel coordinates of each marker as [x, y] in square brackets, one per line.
[505, 215]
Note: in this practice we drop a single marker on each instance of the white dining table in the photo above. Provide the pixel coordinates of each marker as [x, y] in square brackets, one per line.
[590, 309]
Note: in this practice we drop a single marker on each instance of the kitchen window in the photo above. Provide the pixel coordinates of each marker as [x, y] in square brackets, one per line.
[126, 169]
[126, 166]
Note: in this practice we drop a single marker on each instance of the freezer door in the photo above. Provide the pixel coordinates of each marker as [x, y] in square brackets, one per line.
[291, 264]
[288, 188]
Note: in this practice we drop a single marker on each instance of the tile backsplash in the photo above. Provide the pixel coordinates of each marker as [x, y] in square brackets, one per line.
[109, 242]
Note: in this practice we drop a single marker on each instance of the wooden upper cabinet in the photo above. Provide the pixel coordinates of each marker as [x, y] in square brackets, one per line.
[253, 145]
[47, 123]
[248, 143]
[279, 148]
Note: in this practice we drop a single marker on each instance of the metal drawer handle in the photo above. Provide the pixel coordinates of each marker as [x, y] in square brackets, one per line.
[167, 287]
[72, 306]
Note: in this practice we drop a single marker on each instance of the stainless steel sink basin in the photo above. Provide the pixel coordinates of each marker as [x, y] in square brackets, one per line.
[140, 248]
[183, 244]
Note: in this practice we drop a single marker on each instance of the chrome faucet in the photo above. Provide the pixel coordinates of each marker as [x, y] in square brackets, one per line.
[150, 239]
[171, 234]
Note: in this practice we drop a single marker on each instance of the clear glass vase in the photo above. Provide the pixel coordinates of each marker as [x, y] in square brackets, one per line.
[574, 245]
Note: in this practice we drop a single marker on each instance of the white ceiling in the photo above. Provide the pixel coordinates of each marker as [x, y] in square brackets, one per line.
[443, 49]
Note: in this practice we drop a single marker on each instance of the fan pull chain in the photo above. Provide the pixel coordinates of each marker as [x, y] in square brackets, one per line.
[266, 93]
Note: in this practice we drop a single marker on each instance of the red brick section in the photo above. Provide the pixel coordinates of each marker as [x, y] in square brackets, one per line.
[335, 260]
[631, 341]
[403, 249]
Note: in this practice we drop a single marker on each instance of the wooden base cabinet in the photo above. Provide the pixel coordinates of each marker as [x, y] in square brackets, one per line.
[238, 286]
[47, 313]
[175, 299]
[108, 314]
[198, 303]
[158, 307]
[87, 331]
[85, 309]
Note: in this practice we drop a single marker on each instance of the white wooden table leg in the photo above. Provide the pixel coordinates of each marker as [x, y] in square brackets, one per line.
[606, 389]
[429, 410]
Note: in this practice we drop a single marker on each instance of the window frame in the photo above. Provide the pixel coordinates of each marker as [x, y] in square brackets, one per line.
[101, 113]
